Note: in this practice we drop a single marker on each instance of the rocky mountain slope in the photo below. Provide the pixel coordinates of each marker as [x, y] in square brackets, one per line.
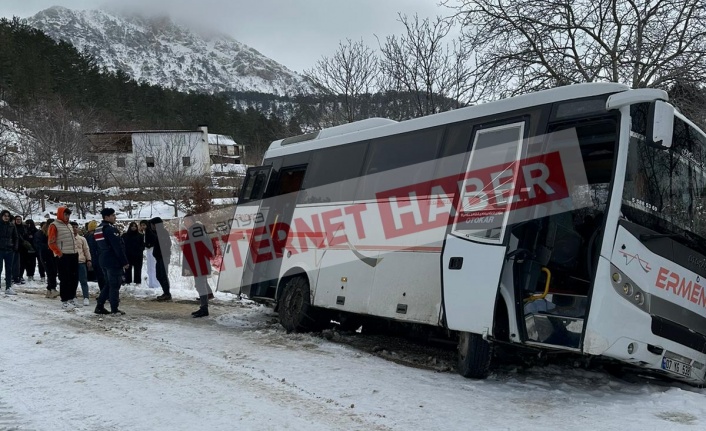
[158, 51]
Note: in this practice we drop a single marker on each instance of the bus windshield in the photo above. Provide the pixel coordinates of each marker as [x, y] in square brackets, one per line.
[665, 189]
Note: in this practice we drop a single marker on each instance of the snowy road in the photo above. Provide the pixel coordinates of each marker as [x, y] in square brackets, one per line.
[156, 369]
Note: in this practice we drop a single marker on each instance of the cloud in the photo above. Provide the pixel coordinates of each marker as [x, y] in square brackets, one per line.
[294, 33]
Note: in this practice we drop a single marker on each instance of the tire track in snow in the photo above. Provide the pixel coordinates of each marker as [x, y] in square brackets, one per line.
[9, 420]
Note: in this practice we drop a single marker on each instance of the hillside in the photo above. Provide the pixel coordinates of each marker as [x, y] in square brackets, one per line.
[159, 52]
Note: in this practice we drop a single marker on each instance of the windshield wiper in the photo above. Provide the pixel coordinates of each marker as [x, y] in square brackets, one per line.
[651, 236]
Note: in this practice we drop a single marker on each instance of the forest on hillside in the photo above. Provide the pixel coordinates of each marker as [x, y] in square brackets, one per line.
[36, 70]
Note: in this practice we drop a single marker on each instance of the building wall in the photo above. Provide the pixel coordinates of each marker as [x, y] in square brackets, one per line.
[165, 150]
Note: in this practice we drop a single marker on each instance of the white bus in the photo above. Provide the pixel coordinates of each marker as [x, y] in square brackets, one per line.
[570, 219]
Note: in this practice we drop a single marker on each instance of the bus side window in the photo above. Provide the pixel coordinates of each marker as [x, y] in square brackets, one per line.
[398, 161]
[333, 174]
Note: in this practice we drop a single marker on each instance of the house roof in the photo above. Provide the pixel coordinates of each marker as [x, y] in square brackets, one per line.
[221, 140]
[130, 132]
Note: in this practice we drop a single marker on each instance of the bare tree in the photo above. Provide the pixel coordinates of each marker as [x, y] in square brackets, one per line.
[4, 143]
[99, 168]
[135, 169]
[172, 164]
[19, 199]
[691, 101]
[422, 63]
[351, 72]
[57, 134]
[528, 45]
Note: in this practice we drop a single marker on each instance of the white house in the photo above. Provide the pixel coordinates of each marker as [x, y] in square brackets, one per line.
[142, 156]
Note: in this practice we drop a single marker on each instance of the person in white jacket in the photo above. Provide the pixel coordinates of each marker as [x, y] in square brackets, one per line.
[84, 262]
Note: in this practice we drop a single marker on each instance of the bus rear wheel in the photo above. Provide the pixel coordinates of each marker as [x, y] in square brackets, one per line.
[474, 354]
[296, 313]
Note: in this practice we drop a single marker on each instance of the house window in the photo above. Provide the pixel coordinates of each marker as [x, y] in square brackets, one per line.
[121, 162]
[150, 162]
[186, 161]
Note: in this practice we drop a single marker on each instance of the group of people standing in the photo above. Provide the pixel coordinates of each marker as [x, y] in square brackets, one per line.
[66, 258]
[20, 250]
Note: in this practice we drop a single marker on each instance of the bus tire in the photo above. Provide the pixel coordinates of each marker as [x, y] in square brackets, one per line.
[474, 354]
[296, 313]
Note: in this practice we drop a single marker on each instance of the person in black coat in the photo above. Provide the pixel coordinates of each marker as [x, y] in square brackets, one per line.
[134, 247]
[112, 260]
[31, 255]
[161, 242]
[8, 246]
[20, 259]
[41, 246]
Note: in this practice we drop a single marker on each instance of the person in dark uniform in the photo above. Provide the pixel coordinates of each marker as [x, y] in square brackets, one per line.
[113, 262]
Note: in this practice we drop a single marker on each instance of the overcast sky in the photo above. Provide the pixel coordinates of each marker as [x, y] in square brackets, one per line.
[295, 33]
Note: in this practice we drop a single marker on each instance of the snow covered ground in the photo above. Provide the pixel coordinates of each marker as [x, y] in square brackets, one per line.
[158, 369]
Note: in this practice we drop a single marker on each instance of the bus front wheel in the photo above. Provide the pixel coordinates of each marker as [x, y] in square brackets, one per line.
[474, 354]
[295, 311]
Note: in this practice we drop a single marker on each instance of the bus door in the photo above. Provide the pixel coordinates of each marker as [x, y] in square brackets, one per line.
[474, 250]
[267, 247]
[247, 216]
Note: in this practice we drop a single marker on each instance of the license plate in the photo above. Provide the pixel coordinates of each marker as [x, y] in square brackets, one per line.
[676, 367]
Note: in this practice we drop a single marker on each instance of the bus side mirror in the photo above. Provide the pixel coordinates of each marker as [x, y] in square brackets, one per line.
[660, 124]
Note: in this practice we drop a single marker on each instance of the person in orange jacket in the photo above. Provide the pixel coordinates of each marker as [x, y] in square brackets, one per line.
[63, 244]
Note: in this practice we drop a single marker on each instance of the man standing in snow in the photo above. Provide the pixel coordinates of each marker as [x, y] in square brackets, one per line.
[198, 250]
[161, 249]
[8, 245]
[112, 260]
[63, 245]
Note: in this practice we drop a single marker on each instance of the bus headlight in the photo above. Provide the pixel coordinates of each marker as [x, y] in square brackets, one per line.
[627, 289]
[616, 278]
[639, 298]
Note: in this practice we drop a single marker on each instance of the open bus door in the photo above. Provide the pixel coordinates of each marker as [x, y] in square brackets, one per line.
[247, 216]
[474, 250]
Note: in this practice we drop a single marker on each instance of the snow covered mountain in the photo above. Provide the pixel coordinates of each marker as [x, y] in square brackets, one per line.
[158, 51]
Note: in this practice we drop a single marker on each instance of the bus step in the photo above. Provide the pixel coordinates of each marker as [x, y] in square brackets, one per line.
[554, 329]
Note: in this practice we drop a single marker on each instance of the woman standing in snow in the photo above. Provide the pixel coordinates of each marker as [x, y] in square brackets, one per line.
[31, 262]
[20, 259]
[152, 282]
[84, 262]
[93, 248]
[134, 246]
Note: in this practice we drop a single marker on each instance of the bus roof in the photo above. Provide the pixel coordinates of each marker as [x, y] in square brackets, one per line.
[377, 127]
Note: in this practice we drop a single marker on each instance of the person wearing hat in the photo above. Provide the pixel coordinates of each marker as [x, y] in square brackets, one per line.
[162, 251]
[112, 260]
[8, 245]
[63, 244]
